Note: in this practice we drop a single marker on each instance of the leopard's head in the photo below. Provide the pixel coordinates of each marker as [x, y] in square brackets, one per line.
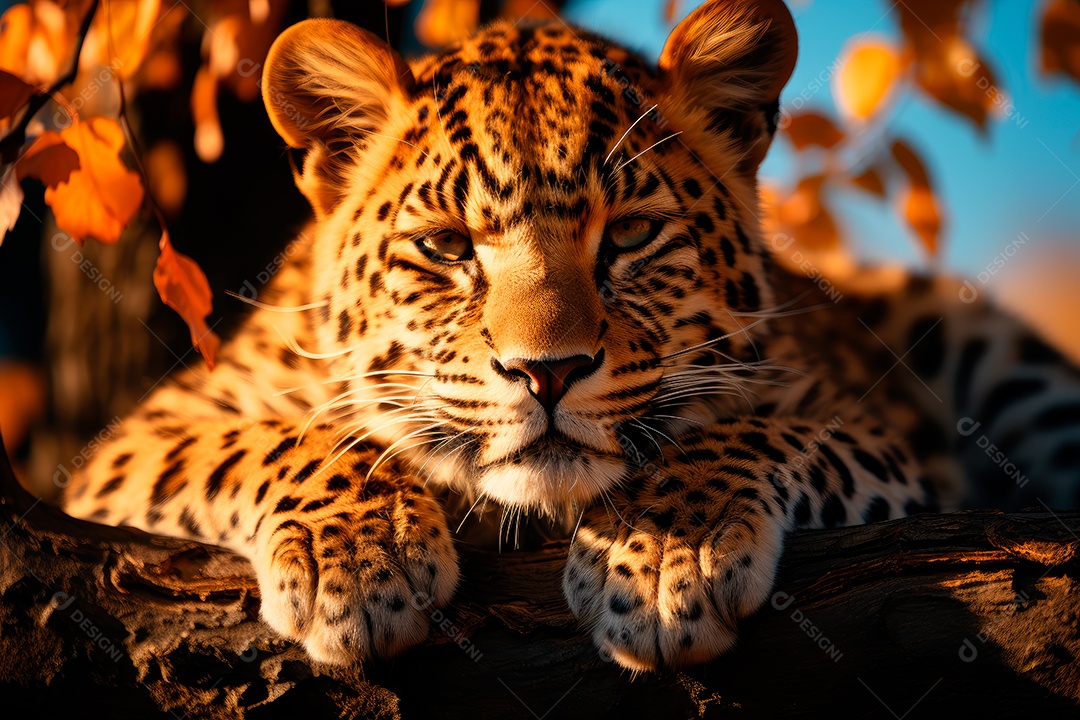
[536, 256]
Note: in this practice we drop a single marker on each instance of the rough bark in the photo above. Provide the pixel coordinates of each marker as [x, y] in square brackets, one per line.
[971, 611]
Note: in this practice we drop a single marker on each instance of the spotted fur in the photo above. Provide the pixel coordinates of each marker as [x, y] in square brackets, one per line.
[536, 282]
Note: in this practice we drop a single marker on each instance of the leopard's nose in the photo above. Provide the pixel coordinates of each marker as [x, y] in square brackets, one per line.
[549, 379]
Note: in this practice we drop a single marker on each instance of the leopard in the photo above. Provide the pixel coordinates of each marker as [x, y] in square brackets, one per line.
[536, 289]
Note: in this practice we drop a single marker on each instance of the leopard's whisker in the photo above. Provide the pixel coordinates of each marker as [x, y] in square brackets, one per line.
[467, 513]
[431, 453]
[404, 142]
[713, 341]
[274, 308]
[665, 436]
[431, 474]
[648, 434]
[623, 136]
[624, 164]
[350, 444]
[387, 455]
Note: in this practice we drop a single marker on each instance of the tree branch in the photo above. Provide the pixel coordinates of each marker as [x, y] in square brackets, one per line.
[951, 612]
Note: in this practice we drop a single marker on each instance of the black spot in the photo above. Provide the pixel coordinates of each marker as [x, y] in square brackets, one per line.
[965, 370]
[187, 522]
[877, 510]
[214, 482]
[927, 439]
[305, 472]
[913, 507]
[719, 207]
[692, 188]
[847, 482]
[337, 483]
[344, 326]
[1034, 350]
[669, 485]
[930, 495]
[286, 504]
[619, 605]
[729, 251]
[1067, 457]
[731, 291]
[927, 340]
[624, 570]
[274, 455]
[872, 465]
[1006, 394]
[180, 447]
[664, 520]
[696, 497]
[110, 487]
[384, 210]
[761, 444]
[833, 513]
[1058, 416]
[875, 312]
[316, 504]
[750, 295]
[162, 489]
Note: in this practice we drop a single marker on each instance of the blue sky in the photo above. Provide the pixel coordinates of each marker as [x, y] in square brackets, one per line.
[1012, 180]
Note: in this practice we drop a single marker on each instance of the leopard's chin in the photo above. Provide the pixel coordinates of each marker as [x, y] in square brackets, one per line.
[551, 476]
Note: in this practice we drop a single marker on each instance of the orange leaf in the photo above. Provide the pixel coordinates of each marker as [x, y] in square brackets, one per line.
[100, 198]
[209, 140]
[920, 209]
[947, 67]
[122, 31]
[910, 163]
[671, 10]
[870, 181]
[918, 206]
[182, 286]
[1060, 30]
[867, 74]
[812, 128]
[442, 22]
[807, 216]
[15, 28]
[48, 159]
[13, 94]
[11, 201]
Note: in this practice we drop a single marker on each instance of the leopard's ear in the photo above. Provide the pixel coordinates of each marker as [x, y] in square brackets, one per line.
[327, 84]
[725, 65]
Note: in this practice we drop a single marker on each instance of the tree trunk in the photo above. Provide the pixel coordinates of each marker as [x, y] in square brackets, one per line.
[972, 612]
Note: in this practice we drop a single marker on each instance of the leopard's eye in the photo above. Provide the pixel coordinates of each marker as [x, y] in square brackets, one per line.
[446, 247]
[632, 233]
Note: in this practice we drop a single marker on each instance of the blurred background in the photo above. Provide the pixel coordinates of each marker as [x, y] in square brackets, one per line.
[935, 134]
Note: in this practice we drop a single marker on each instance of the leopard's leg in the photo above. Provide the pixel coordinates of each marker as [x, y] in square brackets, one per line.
[347, 563]
[663, 569]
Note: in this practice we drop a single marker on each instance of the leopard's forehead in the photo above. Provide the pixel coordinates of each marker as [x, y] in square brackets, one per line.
[543, 98]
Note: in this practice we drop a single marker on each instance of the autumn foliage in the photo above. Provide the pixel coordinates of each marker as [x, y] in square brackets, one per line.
[67, 67]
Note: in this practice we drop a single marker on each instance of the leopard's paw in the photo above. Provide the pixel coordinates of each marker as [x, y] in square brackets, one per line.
[357, 581]
[666, 589]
